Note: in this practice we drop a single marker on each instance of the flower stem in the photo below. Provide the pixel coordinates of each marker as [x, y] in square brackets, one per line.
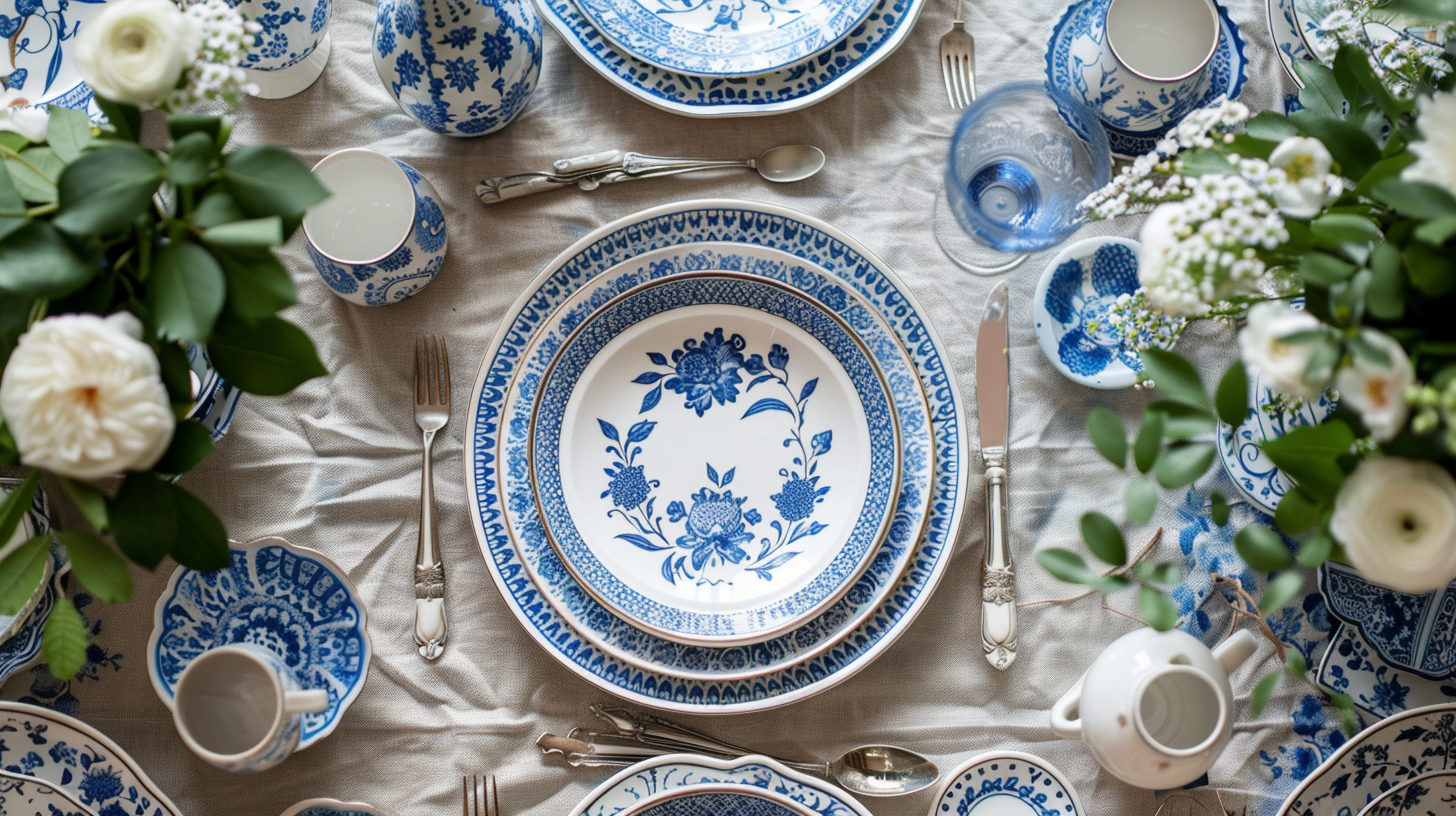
[43, 209]
[8, 153]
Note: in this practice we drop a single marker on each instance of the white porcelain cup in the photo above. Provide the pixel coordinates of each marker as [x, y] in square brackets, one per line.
[240, 707]
[1162, 48]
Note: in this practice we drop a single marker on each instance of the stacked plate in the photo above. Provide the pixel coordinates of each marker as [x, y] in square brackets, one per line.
[740, 58]
[20, 634]
[715, 457]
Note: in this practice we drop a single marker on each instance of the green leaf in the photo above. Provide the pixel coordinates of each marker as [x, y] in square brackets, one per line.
[217, 207]
[1218, 509]
[1104, 539]
[191, 443]
[1156, 609]
[39, 187]
[1350, 146]
[37, 262]
[255, 232]
[12, 141]
[1359, 65]
[1315, 550]
[1431, 270]
[105, 190]
[1438, 231]
[14, 321]
[21, 572]
[268, 181]
[125, 119]
[1175, 376]
[258, 285]
[183, 124]
[1416, 199]
[98, 566]
[1182, 465]
[1069, 566]
[187, 291]
[67, 131]
[1262, 692]
[12, 206]
[1262, 548]
[268, 358]
[1338, 229]
[1271, 126]
[1389, 167]
[16, 505]
[1323, 270]
[63, 640]
[1321, 93]
[191, 160]
[90, 501]
[1149, 442]
[176, 374]
[1203, 162]
[1232, 397]
[1297, 511]
[1167, 574]
[1385, 297]
[144, 519]
[1181, 420]
[1438, 10]
[1280, 591]
[1295, 665]
[202, 542]
[1308, 456]
[1367, 352]
[1108, 436]
[1142, 499]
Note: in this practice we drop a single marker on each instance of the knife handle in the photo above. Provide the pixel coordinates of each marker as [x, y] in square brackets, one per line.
[998, 582]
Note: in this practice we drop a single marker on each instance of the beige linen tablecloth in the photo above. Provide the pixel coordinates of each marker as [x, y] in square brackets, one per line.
[335, 464]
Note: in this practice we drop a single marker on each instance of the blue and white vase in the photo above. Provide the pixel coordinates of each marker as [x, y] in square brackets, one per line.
[459, 67]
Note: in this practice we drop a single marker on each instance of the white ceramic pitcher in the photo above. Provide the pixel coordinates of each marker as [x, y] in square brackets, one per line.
[1155, 708]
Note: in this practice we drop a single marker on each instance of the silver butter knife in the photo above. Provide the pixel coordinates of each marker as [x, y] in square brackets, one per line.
[993, 404]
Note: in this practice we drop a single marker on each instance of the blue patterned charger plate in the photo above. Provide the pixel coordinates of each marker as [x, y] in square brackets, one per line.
[645, 783]
[64, 752]
[857, 278]
[1077, 64]
[1006, 783]
[1071, 306]
[289, 599]
[677, 411]
[41, 59]
[725, 799]
[620, 638]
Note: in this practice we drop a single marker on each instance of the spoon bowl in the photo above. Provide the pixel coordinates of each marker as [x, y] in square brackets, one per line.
[787, 163]
[883, 770]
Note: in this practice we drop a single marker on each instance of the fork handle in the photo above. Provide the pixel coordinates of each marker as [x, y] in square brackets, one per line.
[429, 570]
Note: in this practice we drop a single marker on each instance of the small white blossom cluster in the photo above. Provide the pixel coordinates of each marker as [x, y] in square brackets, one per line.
[214, 76]
[1142, 327]
[1402, 61]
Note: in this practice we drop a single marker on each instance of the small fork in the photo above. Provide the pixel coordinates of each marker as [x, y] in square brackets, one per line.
[480, 795]
[958, 62]
[432, 411]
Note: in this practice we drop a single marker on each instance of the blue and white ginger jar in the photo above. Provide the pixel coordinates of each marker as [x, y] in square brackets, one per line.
[459, 67]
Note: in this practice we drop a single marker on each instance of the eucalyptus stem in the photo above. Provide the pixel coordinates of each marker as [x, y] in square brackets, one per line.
[37, 311]
[1147, 548]
[5, 151]
[43, 209]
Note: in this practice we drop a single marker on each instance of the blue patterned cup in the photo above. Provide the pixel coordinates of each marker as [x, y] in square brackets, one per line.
[380, 237]
[1162, 49]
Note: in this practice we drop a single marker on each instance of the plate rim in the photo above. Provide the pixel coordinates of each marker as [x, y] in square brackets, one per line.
[1428, 775]
[700, 761]
[749, 791]
[50, 786]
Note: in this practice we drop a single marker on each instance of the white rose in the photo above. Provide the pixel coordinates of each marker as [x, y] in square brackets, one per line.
[84, 398]
[135, 50]
[1436, 152]
[1397, 521]
[1305, 163]
[1376, 391]
[1265, 351]
[17, 115]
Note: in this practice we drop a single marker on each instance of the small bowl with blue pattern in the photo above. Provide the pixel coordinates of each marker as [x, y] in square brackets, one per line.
[1074, 301]
[332, 807]
[1003, 783]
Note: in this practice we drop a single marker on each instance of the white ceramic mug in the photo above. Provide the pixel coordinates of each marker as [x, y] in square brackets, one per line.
[239, 707]
[1162, 49]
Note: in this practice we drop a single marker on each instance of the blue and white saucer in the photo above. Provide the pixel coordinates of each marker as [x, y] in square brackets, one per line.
[1433, 794]
[1270, 416]
[1006, 783]
[637, 786]
[1077, 64]
[332, 807]
[41, 61]
[22, 795]
[289, 599]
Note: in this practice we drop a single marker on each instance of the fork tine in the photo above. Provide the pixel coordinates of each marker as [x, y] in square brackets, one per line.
[492, 807]
[445, 375]
[464, 796]
[432, 378]
[961, 79]
[971, 76]
[949, 83]
[419, 372]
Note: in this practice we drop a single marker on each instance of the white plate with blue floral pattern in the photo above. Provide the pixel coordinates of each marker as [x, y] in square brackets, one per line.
[723, 799]
[1352, 666]
[638, 785]
[620, 638]
[41, 59]
[1432, 794]
[22, 795]
[733, 430]
[716, 39]
[1270, 416]
[71, 755]
[857, 280]
[1006, 783]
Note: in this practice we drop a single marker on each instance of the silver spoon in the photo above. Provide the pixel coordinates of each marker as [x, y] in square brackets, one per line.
[778, 164]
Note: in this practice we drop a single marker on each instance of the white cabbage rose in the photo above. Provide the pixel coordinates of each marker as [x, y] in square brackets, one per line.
[1397, 521]
[1266, 352]
[1306, 164]
[136, 50]
[1436, 151]
[83, 397]
[19, 116]
[1378, 392]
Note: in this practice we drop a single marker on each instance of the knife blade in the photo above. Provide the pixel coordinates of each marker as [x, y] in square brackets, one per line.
[993, 406]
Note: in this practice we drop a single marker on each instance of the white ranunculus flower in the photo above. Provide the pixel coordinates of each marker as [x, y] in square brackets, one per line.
[17, 115]
[84, 398]
[1376, 391]
[1436, 151]
[136, 50]
[1305, 163]
[1397, 521]
[1265, 351]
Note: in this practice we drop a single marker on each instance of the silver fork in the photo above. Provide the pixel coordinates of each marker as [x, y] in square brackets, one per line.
[432, 411]
[480, 795]
[958, 62]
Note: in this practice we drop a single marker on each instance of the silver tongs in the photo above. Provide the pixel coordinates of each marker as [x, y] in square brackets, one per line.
[637, 737]
[591, 171]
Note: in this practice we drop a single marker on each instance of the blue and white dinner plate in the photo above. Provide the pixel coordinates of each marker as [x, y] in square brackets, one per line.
[857, 276]
[646, 782]
[22, 795]
[289, 599]
[41, 58]
[66, 753]
[1270, 416]
[716, 39]
[715, 456]
[1006, 783]
[619, 638]
[1433, 794]
[793, 87]
[1077, 64]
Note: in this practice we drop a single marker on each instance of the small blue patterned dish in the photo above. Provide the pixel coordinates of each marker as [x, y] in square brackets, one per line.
[1288, 40]
[1072, 303]
[289, 599]
[332, 807]
[22, 795]
[778, 790]
[1007, 783]
[762, 390]
[1077, 63]
[1271, 415]
[1429, 795]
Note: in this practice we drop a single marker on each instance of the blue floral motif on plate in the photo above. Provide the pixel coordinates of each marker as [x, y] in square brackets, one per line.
[290, 31]
[1430, 795]
[655, 776]
[1416, 633]
[1352, 666]
[985, 783]
[22, 795]
[40, 59]
[1270, 416]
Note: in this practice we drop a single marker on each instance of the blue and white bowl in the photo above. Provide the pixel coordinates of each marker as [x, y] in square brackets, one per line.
[332, 807]
[288, 599]
[1006, 782]
[1415, 633]
[216, 399]
[22, 795]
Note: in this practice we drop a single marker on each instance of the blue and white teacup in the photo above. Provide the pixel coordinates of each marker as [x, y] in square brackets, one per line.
[380, 237]
[290, 53]
[1161, 49]
[240, 707]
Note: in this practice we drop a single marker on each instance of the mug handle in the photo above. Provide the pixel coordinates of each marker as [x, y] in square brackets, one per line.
[1067, 715]
[305, 702]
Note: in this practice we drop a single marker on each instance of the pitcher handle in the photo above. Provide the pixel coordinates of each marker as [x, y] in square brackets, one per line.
[1067, 713]
[1232, 653]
